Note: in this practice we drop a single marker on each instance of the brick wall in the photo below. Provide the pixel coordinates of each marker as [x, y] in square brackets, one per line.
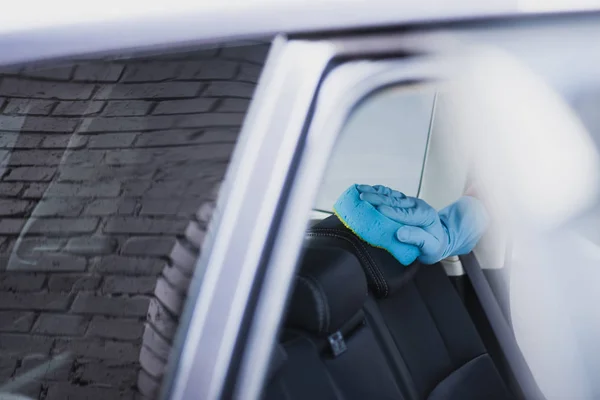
[103, 163]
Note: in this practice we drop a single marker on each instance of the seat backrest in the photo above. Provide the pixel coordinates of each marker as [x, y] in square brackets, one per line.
[326, 310]
[433, 345]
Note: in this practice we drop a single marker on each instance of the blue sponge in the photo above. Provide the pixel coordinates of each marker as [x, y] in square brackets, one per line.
[371, 226]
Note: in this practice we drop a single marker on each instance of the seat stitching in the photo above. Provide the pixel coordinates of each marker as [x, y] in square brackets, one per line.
[377, 273]
[314, 280]
[366, 260]
[359, 253]
[315, 293]
[354, 240]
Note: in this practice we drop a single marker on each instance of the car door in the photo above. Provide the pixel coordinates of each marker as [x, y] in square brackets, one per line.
[510, 85]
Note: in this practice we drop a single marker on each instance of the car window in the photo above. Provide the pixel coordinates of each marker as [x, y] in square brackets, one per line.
[109, 172]
[384, 142]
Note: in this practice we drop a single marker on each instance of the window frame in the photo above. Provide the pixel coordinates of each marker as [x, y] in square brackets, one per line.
[225, 350]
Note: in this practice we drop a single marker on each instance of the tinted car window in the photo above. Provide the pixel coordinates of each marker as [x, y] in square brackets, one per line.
[110, 168]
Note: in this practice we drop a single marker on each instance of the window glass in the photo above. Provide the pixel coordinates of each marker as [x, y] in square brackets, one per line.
[383, 142]
[109, 171]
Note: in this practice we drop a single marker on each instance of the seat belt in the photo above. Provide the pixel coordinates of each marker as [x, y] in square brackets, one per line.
[504, 334]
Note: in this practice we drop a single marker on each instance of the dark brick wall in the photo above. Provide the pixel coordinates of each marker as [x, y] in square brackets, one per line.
[103, 163]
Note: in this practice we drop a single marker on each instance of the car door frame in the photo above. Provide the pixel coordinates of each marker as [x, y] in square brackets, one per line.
[256, 235]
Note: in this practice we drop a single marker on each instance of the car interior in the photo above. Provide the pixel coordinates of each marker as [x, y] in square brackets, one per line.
[359, 324]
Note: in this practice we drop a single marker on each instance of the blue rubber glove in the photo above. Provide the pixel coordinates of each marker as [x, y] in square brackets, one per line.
[455, 230]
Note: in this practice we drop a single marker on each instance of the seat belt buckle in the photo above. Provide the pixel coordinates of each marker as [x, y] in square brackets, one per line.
[337, 343]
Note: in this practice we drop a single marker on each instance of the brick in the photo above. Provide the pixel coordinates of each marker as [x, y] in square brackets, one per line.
[35, 157]
[140, 91]
[99, 374]
[129, 285]
[33, 301]
[30, 174]
[152, 339]
[59, 207]
[209, 69]
[122, 108]
[67, 391]
[12, 344]
[124, 124]
[11, 226]
[78, 108]
[61, 226]
[87, 303]
[111, 140]
[234, 105]
[104, 189]
[107, 172]
[116, 328]
[64, 142]
[130, 265]
[110, 352]
[91, 245]
[32, 244]
[47, 369]
[10, 189]
[19, 282]
[194, 154]
[60, 324]
[72, 283]
[172, 299]
[110, 207]
[136, 187]
[124, 157]
[189, 106]
[177, 277]
[211, 120]
[93, 157]
[51, 262]
[35, 190]
[243, 90]
[195, 233]
[167, 189]
[148, 246]
[205, 212]
[148, 386]
[16, 321]
[45, 90]
[101, 72]
[161, 319]
[152, 364]
[159, 207]
[60, 72]
[39, 124]
[133, 225]
[151, 72]
[29, 107]
[185, 137]
[14, 140]
[249, 73]
[48, 262]
[12, 207]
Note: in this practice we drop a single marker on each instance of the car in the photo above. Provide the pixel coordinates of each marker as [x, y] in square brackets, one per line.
[168, 180]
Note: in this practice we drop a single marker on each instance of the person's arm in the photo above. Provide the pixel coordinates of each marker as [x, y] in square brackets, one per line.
[455, 230]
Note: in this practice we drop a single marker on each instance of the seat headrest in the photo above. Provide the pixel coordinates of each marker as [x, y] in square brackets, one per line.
[384, 273]
[330, 290]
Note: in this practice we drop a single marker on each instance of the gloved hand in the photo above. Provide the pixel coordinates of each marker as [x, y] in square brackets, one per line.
[455, 230]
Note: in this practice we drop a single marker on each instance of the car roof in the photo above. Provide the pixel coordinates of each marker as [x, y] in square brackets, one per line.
[40, 29]
[54, 29]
